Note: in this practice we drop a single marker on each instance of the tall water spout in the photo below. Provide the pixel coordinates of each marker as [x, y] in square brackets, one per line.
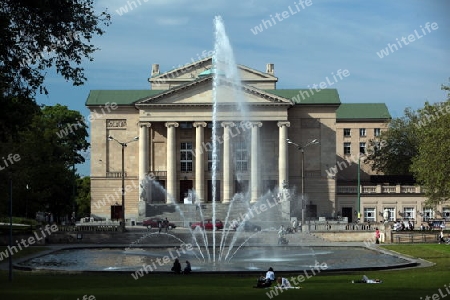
[225, 76]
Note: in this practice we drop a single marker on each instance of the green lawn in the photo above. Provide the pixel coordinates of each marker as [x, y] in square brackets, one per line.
[397, 284]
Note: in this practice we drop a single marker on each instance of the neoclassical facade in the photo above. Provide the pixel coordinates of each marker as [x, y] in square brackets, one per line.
[178, 149]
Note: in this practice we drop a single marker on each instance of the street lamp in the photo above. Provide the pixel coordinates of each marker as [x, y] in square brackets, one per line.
[359, 188]
[302, 150]
[123, 144]
[10, 225]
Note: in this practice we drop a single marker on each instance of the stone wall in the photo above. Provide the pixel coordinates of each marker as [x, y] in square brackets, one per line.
[352, 236]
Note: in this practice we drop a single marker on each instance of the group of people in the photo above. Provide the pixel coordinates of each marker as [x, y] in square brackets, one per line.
[265, 281]
[400, 225]
[176, 268]
[433, 225]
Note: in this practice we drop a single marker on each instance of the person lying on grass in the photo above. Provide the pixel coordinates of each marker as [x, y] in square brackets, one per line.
[283, 283]
[365, 279]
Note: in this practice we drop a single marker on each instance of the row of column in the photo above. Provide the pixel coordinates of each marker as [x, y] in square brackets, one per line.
[227, 171]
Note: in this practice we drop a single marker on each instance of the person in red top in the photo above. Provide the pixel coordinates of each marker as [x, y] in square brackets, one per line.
[377, 235]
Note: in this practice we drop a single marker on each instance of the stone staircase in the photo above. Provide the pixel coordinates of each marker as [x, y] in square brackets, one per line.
[268, 214]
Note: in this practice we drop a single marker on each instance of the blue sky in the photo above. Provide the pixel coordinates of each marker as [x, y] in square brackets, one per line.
[307, 43]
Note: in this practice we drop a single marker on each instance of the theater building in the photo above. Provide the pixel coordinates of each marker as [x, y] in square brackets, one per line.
[162, 141]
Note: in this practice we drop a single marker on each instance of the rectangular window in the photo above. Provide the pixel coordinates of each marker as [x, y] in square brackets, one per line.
[186, 157]
[369, 214]
[362, 132]
[408, 213]
[347, 149]
[446, 213]
[428, 214]
[347, 132]
[389, 214]
[211, 125]
[362, 148]
[241, 156]
[186, 125]
[377, 132]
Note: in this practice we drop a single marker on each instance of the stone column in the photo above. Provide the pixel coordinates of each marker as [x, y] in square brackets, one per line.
[143, 165]
[282, 154]
[171, 184]
[227, 173]
[199, 162]
[254, 153]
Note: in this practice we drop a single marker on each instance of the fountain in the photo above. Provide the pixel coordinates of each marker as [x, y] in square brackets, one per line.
[235, 250]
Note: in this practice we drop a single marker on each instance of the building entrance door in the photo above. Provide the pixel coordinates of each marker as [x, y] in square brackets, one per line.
[347, 212]
[116, 212]
[185, 186]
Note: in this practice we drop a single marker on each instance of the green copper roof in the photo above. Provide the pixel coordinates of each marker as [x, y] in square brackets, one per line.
[306, 96]
[121, 97]
[362, 111]
[206, 73]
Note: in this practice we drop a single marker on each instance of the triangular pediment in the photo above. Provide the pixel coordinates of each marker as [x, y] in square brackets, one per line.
[200, 92]
[203, 67]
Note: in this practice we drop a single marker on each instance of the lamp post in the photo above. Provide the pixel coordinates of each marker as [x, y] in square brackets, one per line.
[10, 277]
[359, 188]
[123, 144]
[302, 151]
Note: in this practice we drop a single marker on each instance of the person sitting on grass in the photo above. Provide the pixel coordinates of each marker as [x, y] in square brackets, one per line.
[176, 268]
[263, 282]
[266, 281]
[187, 269]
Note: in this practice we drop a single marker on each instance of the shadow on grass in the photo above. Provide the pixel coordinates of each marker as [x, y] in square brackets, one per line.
[411, 283]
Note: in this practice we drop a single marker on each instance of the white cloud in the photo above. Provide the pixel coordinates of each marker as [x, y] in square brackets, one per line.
[170, 21]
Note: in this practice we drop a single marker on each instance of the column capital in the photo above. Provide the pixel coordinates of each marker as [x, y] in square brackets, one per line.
[256, 124]
[172, 124]
[228, 124]
[199, 124]
[284, 123]
[145, 124]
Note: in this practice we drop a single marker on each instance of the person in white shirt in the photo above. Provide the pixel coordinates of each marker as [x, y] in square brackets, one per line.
[441, 237]
[266, 281]
[283, 283]
[270, 275]
[365, 279]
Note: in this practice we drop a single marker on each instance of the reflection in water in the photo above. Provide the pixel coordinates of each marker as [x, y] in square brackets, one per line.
[247, 259]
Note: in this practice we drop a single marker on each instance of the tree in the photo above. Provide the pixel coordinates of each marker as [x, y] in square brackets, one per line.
[431, 165]
[37, 35]
[83, 198]
[48, 150]
[40, 34]
[392, 154]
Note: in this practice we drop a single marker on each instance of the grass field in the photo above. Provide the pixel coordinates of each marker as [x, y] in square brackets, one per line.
[397, 284]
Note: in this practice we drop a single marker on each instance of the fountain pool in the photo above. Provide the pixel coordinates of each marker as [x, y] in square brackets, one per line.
[247, 259]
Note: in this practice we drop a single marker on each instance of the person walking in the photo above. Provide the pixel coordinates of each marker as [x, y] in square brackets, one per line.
[377, 235]
[441, 237]
[166, 224]
[281, 235]
[159, 226]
